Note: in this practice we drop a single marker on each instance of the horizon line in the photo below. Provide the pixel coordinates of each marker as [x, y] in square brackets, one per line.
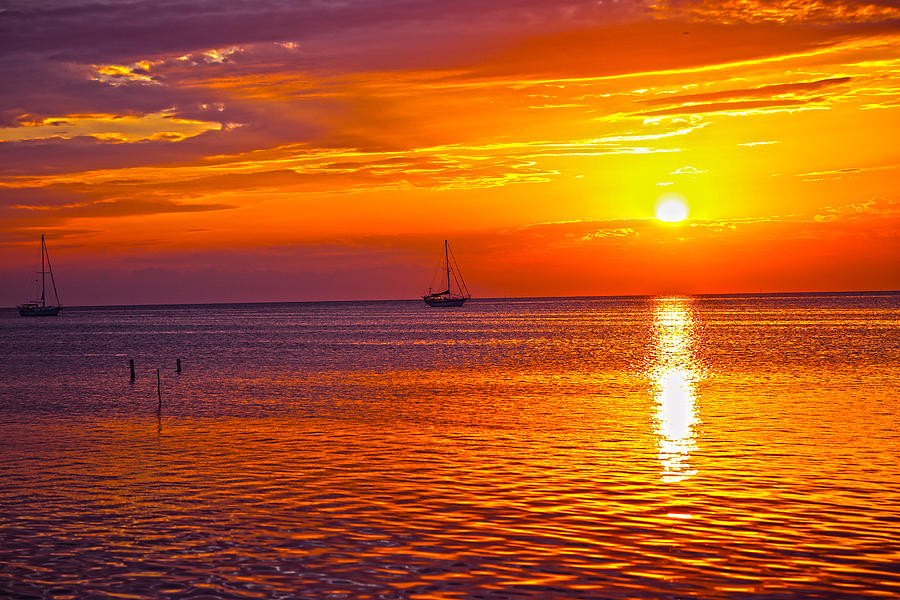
[509, 298]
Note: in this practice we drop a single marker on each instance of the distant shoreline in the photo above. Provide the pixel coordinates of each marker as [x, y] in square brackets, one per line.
[497, 299]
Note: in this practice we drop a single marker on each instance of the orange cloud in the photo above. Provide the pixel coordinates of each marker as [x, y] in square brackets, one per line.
[740, 107]
[764, 91]
[109, 127]
[779, 11]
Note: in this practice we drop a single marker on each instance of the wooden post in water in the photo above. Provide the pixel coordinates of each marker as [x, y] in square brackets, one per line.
[158, 392]
[131, 364]
[178, 365]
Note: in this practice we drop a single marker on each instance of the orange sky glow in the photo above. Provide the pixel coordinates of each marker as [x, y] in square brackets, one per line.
[226, 163]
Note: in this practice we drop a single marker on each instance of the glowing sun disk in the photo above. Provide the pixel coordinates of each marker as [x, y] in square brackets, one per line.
[671, 209]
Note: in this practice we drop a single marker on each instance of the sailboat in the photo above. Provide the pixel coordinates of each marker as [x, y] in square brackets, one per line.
[39, 308]
[449, 297]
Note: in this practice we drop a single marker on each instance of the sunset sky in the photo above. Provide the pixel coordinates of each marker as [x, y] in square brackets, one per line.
[257, 150]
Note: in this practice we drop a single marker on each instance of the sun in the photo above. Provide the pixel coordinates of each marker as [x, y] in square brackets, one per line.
[671, 208]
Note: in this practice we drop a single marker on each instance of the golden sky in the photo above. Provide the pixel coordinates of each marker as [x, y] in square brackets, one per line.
[187, 152]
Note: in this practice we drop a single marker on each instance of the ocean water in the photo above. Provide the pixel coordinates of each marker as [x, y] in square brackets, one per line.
[680, 447]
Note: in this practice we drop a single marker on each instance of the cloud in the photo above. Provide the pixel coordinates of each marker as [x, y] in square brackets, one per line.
[686, 171]
[123, 208]
[31, 202]
[745, 107]
[764, 91]
[60, 207]
[116, 75]
[871, 210]
[875, 217]
[659, 47]
[89, 31]
[163, 126]
[833, 174]
[318, 73]
[780, 11]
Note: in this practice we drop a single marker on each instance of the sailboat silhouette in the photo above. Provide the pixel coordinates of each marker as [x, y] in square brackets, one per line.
[40, 308]
[449, 297]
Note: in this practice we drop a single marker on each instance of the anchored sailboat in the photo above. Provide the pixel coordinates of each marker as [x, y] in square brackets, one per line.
[39, 308]
[449, 297]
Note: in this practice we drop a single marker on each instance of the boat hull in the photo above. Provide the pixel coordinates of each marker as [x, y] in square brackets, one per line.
[39, 311]
[444, 302]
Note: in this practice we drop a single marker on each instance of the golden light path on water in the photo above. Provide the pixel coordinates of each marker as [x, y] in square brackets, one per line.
[674, 375]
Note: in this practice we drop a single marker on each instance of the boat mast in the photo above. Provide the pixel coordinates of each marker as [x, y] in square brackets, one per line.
[447, 262]
[43, 269]
[52, 280]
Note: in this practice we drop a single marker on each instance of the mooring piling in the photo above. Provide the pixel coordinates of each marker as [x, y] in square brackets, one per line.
[178, 365]
[158, 392]
[131, 364]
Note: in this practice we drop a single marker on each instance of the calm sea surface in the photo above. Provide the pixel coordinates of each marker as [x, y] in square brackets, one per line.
[677, 447]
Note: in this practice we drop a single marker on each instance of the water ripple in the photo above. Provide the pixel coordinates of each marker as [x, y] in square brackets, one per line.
[653, 448]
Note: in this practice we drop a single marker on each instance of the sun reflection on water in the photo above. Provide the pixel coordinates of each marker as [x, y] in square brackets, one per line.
[674, 375]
